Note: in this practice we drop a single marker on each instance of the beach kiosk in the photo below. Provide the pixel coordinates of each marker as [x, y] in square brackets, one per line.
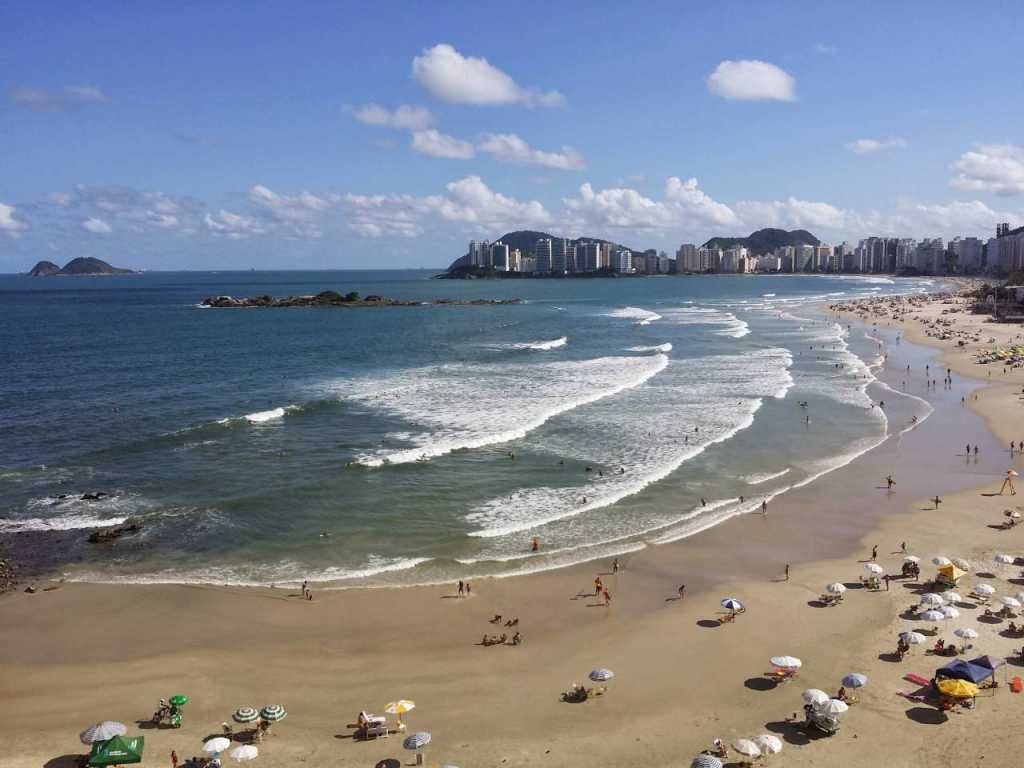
[949, 575]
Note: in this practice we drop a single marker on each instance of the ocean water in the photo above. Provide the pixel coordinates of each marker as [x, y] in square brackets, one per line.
[417, 444]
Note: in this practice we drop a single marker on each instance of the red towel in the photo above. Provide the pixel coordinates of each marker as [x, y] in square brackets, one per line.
[916, 679]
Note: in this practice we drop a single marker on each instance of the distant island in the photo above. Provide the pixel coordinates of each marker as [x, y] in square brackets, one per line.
[335, 299]
[81, 267]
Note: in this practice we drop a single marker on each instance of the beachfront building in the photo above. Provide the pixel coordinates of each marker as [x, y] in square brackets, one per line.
[588, 257]
[622, 261]
[560, 256]
[710, 259]
[1010, 247]
[905, 249]
[688, 258]
[930, 256]
[542, 255]
[500, 257]
[822, 256]
[734, 259]
[967, 251]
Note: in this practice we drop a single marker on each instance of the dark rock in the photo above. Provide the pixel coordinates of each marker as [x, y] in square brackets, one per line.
[110, 533]
[44, 269]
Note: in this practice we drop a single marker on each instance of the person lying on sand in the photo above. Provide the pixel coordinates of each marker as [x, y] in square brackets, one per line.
[496, 619]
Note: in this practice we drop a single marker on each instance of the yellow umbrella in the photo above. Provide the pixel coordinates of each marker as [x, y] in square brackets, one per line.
[399, 707]
[958, 689]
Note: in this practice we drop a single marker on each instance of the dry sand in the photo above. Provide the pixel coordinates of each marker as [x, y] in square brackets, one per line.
[82, 652]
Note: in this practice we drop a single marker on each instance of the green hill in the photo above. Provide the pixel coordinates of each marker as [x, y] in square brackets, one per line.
[765, 240]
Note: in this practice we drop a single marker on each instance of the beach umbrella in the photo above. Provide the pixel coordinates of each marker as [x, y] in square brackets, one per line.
[216, 745]
[178, 700]
[416, 740]
[874, 568]
[958, 689]
[732, 604]
[273, 713]
[932, 615]
[1004, 559]
[747, 748]
[786, 662]
[244, 752]
[769, 743]
[985, 589]
[400, 707]
[912, 559]
[991, 662]
[832, 707]
[814, 697]
[1010, 602]
[1020, 596]
[855, 680]
[104, 731]
[705, 761]
[912, 638]
[601, 675]
[941, 561]
[245, 715]
[960, 563]
[930, 598]
[966, 633]
[120, 750]
[949, 612]
[835, 588]
[952, 597]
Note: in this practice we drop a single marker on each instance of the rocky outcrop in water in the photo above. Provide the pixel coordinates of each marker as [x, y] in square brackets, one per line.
[335, 299]
[112, 532]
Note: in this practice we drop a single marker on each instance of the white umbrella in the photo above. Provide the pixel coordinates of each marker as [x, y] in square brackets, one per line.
[601, 675]
[814, 696]
[835, 588]
[1005, 559]
[1010, 602]
[874, 568]
[952, 597]
[216, 745]
[786, 662]
[912, 559]
[985, 589]
[244, 752]
[932, 615]
[941, 561]
[966, 633]
[769, 743]
[1020, 596]
[108, 729]
[960, 563]
[732, 604]
[930, 598]
[832, 707]
[746, 748]
[912, 638]
[949, 612]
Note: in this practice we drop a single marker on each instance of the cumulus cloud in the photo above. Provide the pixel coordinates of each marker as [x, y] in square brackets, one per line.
[96, 226]
[9, 225]
[436, 144]
[825, 49]
[232, 225]
[791, 213]
[404, 117]
[58, 99]
[299, 214]
[449, 76]
[867, 146]
[468, 201]
[997, 168]
[510, 148]
[751, 80]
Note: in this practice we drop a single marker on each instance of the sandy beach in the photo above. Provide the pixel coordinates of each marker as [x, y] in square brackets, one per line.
[78, 653]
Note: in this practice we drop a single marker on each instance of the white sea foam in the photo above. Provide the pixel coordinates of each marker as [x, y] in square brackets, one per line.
[466, 406]
[263, 416]
[731, 325]
[764, 477]
[768, 295]
[640, 316]
[62, 523]
[666, 347]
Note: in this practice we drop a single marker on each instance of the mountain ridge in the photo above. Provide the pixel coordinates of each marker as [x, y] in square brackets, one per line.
[764, 241]
[82, 266]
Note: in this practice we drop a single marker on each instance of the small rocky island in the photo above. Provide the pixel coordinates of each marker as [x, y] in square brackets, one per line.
[335, 299]
[80, 267]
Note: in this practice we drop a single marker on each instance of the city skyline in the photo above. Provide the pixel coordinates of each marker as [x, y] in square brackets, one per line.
[339, 137]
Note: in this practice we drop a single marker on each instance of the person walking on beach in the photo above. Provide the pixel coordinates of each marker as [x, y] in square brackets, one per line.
[174, 759]
[607, 597]
[682, 592]
[874, 553]
[975, 451]
[305, 589]
[903, 547]
[787, 571]
[937, 501]
[462, 588]
[1008, 483]
[615, 565]
[764, 507]
[889, 482]
[597, 586]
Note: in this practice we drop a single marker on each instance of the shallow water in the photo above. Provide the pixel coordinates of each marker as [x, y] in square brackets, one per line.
[413, 444]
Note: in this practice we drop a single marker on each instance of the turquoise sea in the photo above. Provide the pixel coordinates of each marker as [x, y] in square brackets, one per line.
[416, 444]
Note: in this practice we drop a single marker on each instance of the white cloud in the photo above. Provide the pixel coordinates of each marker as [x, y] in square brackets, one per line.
[791, 213]
[404, 117]
[96, 226]
[299, 214]
[684, 206]
[232, 225]
[867, 146]
[751, 80]
[436, 144]
[9, 225]
[997, 168]
[468, 201]
[511, 148]
[450, 76]
[58, 99]
[825, 49]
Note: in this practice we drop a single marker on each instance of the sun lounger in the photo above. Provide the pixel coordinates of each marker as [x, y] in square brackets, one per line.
[371, 726]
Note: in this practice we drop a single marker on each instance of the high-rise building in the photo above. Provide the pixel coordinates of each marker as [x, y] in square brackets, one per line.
[500, 257]
[623, 261]
[542, 254]
[559, 256]
[687, 258]
[968, 253]
[822, 256]
[1011, 248]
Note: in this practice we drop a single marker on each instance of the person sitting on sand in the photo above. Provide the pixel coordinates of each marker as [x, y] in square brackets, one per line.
[486, 640]
[496, 619]
[719, 749]
[517, 639]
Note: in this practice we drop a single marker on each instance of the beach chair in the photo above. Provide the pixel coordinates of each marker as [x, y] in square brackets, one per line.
[372, 726]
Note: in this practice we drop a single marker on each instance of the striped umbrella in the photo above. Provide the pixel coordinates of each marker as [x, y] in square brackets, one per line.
[747, 748]
[601, 675]
[732, 604]
[769, 743]
[245, 715]
[104, 731]
[273, 713]
[416, 740]
[705, 761]
[244, 752]
[216, 745]
[855, 680]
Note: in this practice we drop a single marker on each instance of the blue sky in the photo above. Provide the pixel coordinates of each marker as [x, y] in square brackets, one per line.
[229, 135]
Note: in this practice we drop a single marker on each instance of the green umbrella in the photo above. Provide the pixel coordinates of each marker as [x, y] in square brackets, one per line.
[119, 750]
[179, 699]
